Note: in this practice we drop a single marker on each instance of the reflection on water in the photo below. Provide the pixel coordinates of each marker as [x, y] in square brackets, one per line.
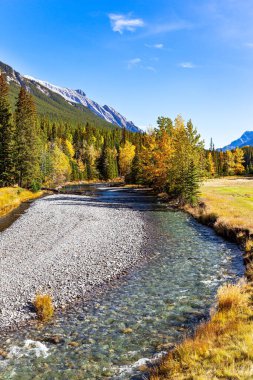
[146, 313]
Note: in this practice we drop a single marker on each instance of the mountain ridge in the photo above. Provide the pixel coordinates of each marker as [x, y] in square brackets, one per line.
[245, 140]
[71, 98]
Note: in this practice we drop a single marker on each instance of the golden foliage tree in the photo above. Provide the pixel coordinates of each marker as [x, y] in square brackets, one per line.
[61, 168]
[171, 159]
[210, 165]
[239, 160]
[126, 156]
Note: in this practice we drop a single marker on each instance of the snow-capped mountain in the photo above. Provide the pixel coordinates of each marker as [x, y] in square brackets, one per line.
[245, 140]
[76, 100]
[78, 96]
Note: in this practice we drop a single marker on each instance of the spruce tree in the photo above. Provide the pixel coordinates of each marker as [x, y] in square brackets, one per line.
[7, 168]
[191, 190]
[28, 147]
[107, 164]
[134, 176]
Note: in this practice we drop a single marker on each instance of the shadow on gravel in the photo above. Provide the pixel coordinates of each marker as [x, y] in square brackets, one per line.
[111, 198]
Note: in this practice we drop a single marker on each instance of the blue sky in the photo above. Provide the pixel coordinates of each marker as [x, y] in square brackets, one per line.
[146, 58]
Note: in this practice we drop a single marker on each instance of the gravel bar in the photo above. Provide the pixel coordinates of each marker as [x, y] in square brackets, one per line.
[64, 246]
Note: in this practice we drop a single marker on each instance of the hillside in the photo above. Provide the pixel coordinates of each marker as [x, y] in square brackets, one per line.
[51, 103]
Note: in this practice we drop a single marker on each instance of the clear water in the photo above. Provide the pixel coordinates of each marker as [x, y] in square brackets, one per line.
[148, 310]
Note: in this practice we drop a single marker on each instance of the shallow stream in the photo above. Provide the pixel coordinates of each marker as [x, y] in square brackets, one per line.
[144, 314]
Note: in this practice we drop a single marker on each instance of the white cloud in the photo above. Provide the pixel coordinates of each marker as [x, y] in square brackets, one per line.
[169, 27]
[133, 63]
[121, 22]
[155, 46]
[187, 65]
[138, 62]
[150, 68]
[249, 45]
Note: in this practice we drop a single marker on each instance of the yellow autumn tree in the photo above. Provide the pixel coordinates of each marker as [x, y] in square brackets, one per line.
[156, 159]
[61, 169]
[126, 156]
[172, 159]
[230, 162]
[68, 148]
[210, 165]
[238, 161]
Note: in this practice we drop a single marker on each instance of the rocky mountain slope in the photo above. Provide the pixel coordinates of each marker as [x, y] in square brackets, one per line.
[60, 100]
[245, 140]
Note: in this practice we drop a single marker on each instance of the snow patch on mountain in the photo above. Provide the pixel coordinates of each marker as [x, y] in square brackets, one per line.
[244, 140]
[79, 97]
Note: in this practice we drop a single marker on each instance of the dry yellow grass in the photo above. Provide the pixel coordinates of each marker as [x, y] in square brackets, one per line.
[221, 348]
[231, 199]
[12, 197]
[43, 304]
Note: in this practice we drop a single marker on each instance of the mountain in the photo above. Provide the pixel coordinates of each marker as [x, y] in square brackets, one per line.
[245, 140]
[64, 103]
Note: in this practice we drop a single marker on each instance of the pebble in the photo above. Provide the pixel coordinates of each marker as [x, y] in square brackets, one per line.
[64, 246]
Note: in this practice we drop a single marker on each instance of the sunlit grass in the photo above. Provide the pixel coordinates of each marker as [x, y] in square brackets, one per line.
[11, 197]
[231, 199]
[221, 348]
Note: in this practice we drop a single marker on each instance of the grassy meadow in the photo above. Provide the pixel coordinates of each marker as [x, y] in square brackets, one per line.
[231, 200]
[12, 197]
[221, 348]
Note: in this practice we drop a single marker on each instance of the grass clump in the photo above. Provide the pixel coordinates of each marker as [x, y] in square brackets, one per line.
[221, 348]
[231, 297]
[249, 245]
[44, 307]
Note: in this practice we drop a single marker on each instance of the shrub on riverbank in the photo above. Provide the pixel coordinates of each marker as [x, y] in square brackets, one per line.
[221, 348]
[43, 304]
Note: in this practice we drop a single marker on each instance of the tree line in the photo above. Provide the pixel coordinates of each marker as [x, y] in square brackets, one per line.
[171, 158]
[231, 162]
[36, 151]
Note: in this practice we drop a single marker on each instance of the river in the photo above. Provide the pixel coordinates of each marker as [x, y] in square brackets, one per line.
[143, 315]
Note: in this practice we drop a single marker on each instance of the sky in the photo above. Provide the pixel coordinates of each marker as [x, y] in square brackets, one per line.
[145, 58]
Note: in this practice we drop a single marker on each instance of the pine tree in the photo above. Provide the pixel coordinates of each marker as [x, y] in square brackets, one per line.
[107, 164]
[7, 153]
[28, 146]
[134, 175]
[191, 191]
[211, 145]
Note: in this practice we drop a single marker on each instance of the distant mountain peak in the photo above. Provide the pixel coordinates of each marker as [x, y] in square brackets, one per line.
[81, 92]
[245, 140]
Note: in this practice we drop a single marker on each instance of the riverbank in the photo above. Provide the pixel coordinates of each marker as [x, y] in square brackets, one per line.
[226, 204]
[65, 246]
[222, 347]
[12, 197]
